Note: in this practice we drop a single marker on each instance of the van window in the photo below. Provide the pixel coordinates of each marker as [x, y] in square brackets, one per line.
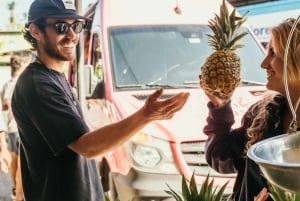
[173, 55]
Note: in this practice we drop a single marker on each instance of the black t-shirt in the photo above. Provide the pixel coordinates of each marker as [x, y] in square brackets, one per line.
[48, 121]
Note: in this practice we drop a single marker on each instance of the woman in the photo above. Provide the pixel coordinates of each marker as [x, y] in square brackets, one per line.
[227, 148]
[18, 62]
[5, 158]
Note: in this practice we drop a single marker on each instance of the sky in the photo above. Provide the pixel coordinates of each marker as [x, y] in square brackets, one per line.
[21, 7]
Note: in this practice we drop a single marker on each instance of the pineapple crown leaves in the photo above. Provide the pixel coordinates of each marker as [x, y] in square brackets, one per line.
[225, 28]
[190, 192]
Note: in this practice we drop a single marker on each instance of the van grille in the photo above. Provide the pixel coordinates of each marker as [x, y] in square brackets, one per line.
[193, 153]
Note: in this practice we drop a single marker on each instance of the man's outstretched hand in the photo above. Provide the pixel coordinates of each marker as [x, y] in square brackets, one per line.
[156, 109]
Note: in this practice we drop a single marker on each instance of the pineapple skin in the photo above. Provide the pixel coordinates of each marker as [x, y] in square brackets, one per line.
[220, 74]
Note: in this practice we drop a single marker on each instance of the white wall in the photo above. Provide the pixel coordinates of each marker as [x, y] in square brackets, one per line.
[260, 24]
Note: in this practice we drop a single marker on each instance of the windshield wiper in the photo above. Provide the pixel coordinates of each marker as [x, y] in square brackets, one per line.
[192, 82]
[243, 82]
[167, 86]
[129, 86]
[250, 82]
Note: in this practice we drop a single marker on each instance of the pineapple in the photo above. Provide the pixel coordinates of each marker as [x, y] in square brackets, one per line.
[190, 192]
[220, 74]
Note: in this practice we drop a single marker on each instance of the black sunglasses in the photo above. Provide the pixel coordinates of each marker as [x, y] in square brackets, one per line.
[62, 28]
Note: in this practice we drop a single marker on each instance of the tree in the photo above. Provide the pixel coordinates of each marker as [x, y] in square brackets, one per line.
[11, 8]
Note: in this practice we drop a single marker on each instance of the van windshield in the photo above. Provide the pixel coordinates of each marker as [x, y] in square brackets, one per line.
[172, 55]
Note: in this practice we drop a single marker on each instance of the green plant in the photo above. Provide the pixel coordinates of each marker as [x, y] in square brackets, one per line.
[277, 194]
[190, 192]
[11, 7]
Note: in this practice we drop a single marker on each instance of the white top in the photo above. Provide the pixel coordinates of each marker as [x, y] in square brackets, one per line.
[6, 96]
[2, 124]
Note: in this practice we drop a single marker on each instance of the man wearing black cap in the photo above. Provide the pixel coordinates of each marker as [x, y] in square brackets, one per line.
[56, 145]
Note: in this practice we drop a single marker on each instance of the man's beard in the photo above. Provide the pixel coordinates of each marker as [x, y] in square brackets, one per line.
[54, 53]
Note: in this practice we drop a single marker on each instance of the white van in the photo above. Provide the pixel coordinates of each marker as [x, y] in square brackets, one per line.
[134, 47]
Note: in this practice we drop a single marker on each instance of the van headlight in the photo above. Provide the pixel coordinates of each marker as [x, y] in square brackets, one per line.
[151, 154]
[146, 156]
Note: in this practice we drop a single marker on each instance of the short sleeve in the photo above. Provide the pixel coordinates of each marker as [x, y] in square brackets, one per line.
[2, 124]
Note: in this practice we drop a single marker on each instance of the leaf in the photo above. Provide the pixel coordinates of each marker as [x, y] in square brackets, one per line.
[225, 26]
[277, 194]
[220, 194]
[174, 194]
[193, 186]
[207, 192]
[203, 188]
[185, 189]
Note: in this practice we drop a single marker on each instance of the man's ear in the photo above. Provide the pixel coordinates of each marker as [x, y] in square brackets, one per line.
[35, 31]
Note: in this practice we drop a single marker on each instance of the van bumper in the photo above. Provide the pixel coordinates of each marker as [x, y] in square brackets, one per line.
[136, 186]
[143, 186]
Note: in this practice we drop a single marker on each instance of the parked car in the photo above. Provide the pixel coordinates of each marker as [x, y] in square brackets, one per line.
[134, 47]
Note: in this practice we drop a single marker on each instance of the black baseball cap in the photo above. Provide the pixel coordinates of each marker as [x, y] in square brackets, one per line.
[52, 8]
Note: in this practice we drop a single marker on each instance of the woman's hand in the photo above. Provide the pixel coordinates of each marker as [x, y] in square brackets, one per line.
[262, 196]
[216, 101]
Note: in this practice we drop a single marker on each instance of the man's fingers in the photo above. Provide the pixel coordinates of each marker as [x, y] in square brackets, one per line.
[156, 94]
[177, 101]
[164, 109]
[175, 104]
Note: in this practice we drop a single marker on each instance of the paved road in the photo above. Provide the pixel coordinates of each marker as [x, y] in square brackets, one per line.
[5, 187]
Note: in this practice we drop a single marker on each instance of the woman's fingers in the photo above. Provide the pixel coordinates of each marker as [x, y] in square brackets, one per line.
[262, 196]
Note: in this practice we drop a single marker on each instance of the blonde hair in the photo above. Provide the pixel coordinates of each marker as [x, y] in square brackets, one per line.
[265, 117]
[266, 113]
[279, 35]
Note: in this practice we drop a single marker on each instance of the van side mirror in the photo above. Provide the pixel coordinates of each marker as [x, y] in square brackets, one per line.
[88, 80]
[93, 88]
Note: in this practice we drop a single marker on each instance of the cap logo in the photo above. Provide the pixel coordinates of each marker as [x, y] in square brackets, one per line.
[69, 4]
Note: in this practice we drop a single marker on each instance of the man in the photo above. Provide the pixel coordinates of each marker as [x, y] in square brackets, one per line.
[56, 145]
